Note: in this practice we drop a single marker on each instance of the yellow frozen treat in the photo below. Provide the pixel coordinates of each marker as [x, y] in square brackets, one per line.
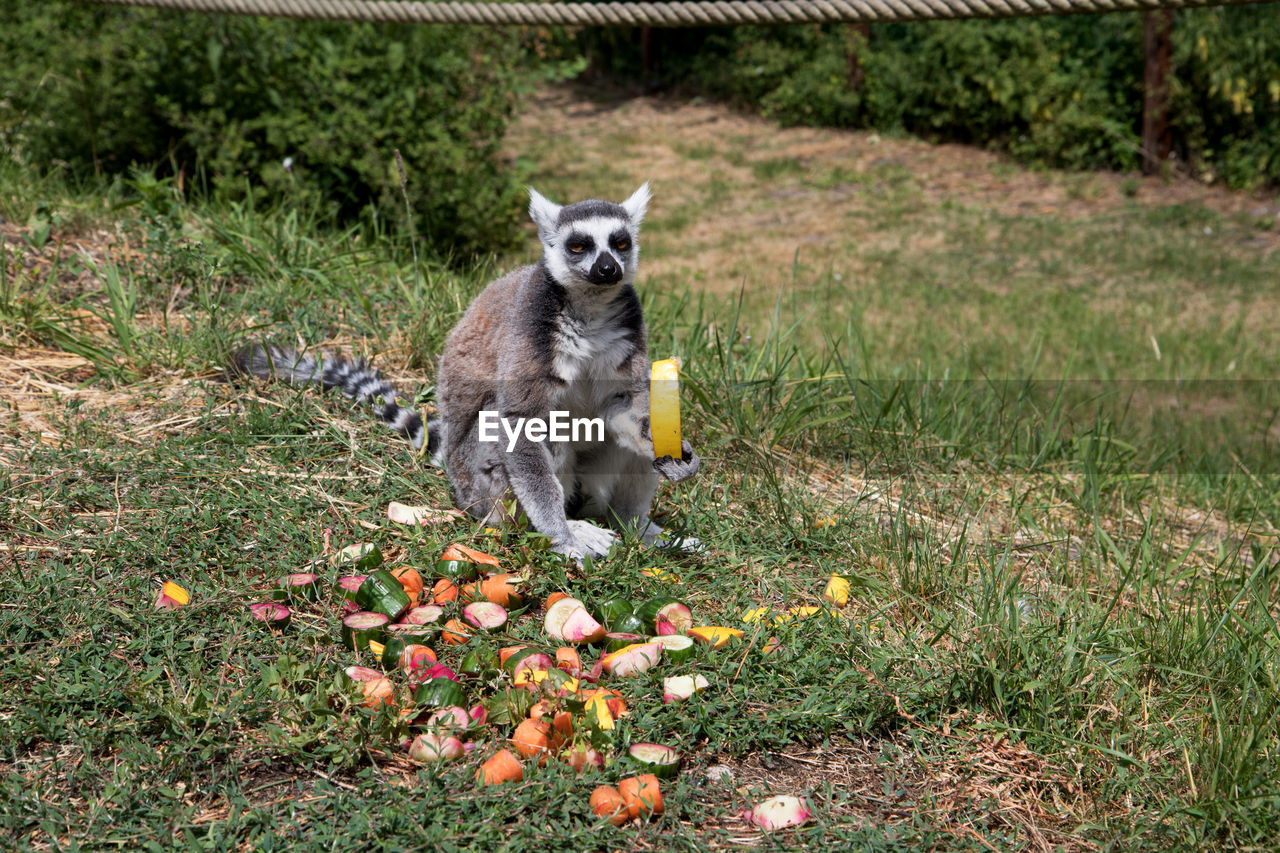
[664, 408]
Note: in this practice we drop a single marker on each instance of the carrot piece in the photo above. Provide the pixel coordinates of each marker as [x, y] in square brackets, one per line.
[532, 739]
[455, 633]
[606, 801]
[378, 691]
[568, 659]
[444, 591]
[642, 795]
[502, 767]
[501, 589]
[411, 580]
[461, 552]
[471, 592]
[561, 728]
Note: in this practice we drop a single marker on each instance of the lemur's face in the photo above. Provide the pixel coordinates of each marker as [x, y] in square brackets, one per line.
[590, 243]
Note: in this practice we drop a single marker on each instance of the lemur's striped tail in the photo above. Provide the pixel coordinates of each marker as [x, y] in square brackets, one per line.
[356, 379]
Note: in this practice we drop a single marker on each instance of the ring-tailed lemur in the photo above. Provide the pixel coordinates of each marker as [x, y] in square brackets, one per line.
[563, 335]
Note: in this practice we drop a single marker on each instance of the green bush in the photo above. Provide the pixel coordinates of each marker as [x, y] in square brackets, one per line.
[1064, 91]
[1226, 100]
[272, 110]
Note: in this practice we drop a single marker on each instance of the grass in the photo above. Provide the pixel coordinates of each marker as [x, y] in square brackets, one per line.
[1063, 631]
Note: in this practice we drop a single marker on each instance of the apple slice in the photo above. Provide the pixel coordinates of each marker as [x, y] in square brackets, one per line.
[779, 813]
[485, 614]
[633, 659]
[673, 618]
[569, 622]
[581, 627]
[559, 613]
[677, 688]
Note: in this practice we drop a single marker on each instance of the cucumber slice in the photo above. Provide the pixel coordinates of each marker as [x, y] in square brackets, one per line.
[481, 663]
[303, 586]
[628, 623]
[457, 570]
[439, 693]
[675, 647]
[648, 611]
[614, 609]
[661, 761]
[397, 653]
[382, 593]
[363, 557]
[392, 648]
[270, 614]
[528, 659]
[359, 628]
[345, 588]
[615, 640]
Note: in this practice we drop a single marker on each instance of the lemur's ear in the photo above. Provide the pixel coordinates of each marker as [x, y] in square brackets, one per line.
[544, 213]
[635, 206]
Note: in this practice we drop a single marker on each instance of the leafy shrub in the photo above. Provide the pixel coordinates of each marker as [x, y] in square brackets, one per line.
[1226, 98]
[1058, 90]
[272, 110]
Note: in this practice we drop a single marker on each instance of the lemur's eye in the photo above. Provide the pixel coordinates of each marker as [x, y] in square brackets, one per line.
[576, 248]
[622, 245]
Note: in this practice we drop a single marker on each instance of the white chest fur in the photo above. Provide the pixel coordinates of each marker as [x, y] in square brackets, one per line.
[589, 347]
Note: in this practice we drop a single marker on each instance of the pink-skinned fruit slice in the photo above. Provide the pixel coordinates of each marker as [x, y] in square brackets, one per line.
[432, 747]
[779, 812]
[558, 614]
[677, 688]
[581, 627]
[447, 720]
[536, 662]
[633, 659]
[484, 614]
[674, 618]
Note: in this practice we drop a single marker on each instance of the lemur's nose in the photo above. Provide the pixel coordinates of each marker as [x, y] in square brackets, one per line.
[605, 270]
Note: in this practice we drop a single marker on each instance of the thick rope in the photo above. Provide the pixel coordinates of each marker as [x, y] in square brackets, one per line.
[700, 13]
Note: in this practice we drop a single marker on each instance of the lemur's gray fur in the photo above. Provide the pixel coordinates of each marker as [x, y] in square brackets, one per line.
[564, 334]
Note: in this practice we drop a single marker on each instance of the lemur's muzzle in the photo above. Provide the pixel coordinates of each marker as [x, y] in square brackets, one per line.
[606, 270]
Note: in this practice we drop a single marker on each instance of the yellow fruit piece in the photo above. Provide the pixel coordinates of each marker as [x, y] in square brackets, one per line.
[530, 676]
[376, 647]
[598, 710]
[715, 636]
[755, 615]
[795, 613]
[660, 574]
[837, 591]
[664, 408]
[177, 593]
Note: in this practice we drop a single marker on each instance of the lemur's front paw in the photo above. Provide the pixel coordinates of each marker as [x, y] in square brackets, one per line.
[587, 540]
[676, 470]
